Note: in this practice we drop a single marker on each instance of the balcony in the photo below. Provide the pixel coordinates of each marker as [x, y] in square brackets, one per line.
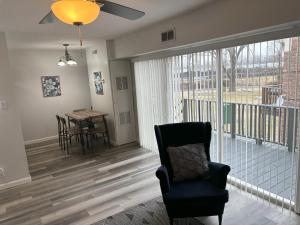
[257, 144]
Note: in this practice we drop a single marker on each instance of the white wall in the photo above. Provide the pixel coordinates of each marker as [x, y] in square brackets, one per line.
[38, 113]
[219, 19]
[104, 103]
[12, 152]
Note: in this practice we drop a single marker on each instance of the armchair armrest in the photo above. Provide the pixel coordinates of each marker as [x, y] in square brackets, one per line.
[163, 176]
[218, 174]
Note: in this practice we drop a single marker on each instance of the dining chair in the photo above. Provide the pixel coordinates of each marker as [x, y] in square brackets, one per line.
[68, 133]
[96, 127]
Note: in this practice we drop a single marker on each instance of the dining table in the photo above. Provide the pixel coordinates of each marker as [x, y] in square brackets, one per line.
[81, 118]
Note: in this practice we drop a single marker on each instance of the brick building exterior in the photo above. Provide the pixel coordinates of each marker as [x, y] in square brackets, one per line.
[290, 79]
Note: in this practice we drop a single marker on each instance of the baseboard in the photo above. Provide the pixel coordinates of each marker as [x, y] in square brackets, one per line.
[113, 143]
[37, 141]
[15, 183]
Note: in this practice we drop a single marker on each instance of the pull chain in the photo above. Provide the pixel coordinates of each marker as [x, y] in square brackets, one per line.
[79, 24]
[80, 39]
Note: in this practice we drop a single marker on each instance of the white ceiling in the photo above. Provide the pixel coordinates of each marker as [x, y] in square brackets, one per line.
[23, 16]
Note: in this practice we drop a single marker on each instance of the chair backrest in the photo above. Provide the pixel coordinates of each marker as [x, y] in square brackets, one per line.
[179, 134]
[59, 127]
[63, 124]
[58, 120]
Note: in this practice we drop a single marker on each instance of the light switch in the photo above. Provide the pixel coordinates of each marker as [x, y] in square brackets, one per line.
[3, 104]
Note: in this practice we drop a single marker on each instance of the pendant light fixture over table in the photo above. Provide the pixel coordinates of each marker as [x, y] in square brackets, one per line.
[66, 59]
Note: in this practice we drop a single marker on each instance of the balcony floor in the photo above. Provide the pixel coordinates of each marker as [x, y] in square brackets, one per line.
[267, 166]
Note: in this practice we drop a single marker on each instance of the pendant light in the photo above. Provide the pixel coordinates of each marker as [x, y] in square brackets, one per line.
[66, 59]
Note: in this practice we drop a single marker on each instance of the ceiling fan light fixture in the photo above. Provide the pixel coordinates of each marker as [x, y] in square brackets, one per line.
[76, 11]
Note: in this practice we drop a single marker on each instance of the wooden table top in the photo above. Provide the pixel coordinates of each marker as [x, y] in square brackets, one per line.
[84, 115]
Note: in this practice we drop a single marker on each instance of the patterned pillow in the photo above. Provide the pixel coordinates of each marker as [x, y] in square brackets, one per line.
[188, 162]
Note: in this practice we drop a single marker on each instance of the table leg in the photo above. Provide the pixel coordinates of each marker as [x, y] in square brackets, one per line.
[106, 131]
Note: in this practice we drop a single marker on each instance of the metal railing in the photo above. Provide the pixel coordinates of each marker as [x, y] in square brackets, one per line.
[264, 123]
[271, 93]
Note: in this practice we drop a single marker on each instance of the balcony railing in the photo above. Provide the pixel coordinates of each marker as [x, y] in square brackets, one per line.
[264, 123]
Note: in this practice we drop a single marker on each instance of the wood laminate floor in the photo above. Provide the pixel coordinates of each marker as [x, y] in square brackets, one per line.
[83, 189]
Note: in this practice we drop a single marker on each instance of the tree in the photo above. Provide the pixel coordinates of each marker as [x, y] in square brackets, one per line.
[234, 53]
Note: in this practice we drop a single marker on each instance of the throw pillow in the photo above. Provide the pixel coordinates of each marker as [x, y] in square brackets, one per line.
[188, 162]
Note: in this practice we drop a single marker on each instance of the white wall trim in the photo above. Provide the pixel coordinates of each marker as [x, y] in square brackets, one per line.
[37, 141]
[15, 183]
[113, 143]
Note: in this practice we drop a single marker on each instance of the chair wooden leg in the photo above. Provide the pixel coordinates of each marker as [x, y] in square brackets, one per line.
[87, 141]
[64, 143]
[220, 219]
[92, 147]
[104, 141]
[171, 220]
[68, 146]
[59, 139]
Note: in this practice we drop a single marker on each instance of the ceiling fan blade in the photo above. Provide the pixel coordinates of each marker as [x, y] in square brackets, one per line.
[49, 18]
[120, 10]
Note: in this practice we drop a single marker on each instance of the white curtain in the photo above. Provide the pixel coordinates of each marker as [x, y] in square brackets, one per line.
[154, 91]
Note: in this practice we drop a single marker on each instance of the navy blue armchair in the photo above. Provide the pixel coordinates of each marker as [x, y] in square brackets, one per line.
[192, 198]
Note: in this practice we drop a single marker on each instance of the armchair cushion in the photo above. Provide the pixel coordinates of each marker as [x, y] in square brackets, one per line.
[196, 192]
[188, 162]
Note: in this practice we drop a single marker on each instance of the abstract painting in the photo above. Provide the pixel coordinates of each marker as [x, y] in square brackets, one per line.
[51, 86]
[98, 83]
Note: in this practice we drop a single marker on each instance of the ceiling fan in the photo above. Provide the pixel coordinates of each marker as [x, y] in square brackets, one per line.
[106, 6]
[82, 12]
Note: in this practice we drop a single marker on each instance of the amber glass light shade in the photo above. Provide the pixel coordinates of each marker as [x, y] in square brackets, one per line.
[76, 11]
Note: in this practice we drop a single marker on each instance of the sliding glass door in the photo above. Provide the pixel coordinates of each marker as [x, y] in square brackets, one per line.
[249, 93]
[261, 105]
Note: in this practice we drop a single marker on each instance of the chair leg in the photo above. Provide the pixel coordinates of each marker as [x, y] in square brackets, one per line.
[59, 139]
[92, 147]
[171, 220]
[220, 218]
[87, 141]
[104, 141]
[67, 147]
[64, 143]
